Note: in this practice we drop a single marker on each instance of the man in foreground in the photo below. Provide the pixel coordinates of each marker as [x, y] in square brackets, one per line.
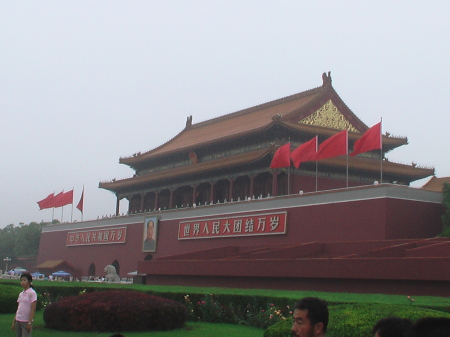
[310, 318]
[433, 327]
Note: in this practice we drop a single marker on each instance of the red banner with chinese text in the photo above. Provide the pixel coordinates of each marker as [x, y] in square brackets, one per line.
[246, 225]
[97, 237]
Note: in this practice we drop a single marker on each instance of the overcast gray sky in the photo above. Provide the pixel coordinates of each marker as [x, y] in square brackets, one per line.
[83, 83]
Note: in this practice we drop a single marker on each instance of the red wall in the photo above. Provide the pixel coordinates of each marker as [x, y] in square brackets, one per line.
[53, 247]
[387, 266]
[373, 219]
[413, 219]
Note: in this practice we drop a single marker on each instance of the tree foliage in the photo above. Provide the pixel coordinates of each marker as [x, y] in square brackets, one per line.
[21, 240]
[446, 216]
[446, 202]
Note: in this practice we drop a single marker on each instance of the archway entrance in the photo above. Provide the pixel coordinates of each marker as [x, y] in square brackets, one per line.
[91, 270]
[117, 266]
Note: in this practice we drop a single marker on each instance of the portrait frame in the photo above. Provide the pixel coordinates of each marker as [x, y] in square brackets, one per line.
[149, 246]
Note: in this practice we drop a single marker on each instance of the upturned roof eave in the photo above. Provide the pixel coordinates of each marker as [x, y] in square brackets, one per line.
[135, 160]
[244, 158]
[408, 172]
[391, 142]
[374, 165]
[436, 184]
[130, 161]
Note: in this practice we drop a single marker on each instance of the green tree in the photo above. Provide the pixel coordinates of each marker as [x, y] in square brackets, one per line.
[21, 240]
[446, 216]
[27, 239]
[7, 239]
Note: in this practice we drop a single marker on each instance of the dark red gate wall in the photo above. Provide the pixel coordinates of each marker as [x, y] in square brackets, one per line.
[374, 219]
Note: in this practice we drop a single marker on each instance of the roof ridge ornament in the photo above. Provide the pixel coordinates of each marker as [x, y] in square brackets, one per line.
[277, 117]
[326, 79]
[189, 122]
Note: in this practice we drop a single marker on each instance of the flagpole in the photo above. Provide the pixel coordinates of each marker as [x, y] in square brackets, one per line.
[347, 170]
[317, 164]
[289, 173]
[71, 213]
[381, 151]
[347, 157]
[289, 181]
[53, 208]
[381, 166]
[82, 205]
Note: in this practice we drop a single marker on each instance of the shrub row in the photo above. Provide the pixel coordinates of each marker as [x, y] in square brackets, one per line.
[254, 311]
[8, 298]
[114, 311]
[258, 311]
[357, 320]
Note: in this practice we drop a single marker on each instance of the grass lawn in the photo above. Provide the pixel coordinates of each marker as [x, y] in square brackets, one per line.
[192, 329]
[201, 329]
[331, 297]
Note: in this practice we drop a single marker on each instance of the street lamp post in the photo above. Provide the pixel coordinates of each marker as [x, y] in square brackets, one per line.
[7, 260]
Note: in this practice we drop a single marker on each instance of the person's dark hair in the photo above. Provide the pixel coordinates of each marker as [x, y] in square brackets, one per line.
[432, 326]
[28, 277]
[394, 327]
[317, 310]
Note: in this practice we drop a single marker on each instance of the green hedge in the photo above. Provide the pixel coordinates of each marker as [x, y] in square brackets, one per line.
[115, 311]
[357, 320]
[8, 298]
[257, 309]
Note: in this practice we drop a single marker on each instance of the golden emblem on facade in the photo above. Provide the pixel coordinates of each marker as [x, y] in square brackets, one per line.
[329, 116]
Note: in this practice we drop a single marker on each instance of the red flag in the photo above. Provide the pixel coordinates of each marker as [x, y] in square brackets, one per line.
[305, 152]
[334, 146]
[47, 202]
[281, 157]
[370, 140]
[80, 203]
[56, 199]
[63, 199]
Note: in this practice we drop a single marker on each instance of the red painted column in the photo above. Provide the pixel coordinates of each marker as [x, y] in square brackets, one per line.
[142, 203]
[274, 182]
[171, 198]
[212, 192]
[156, 200]
[129, 204]
[117, 206]
[231, 188]
[194, 192]
[252, 186]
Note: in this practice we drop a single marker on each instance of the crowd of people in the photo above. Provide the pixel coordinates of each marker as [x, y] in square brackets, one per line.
[310, 318]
